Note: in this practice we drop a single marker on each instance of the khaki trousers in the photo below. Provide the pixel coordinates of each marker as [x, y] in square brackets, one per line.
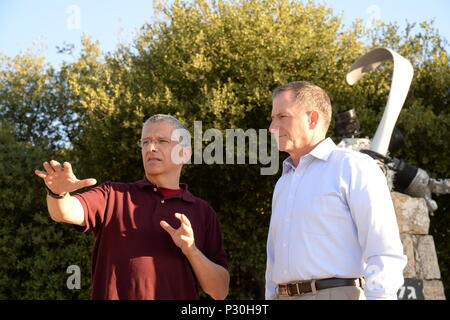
[338, 293]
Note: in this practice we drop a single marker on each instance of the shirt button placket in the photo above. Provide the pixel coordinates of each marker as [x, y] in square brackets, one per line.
[289, 213]
[296, 177]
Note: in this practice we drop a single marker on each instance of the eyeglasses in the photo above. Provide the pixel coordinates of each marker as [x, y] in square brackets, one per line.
[162, 142]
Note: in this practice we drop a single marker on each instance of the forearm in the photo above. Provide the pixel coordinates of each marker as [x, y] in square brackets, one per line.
[213, 278]
[67, 209]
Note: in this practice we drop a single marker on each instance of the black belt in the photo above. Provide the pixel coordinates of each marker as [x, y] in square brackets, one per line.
[304, 287]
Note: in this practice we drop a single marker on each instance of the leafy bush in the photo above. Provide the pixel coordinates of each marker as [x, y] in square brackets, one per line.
[211, 61]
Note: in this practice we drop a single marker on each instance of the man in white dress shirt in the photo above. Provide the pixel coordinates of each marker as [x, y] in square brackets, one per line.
[333, 231]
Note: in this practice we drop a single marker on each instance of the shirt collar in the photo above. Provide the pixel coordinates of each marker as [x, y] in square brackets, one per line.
[288, 165]
[185, 195]
[322, 152]
[324, 149]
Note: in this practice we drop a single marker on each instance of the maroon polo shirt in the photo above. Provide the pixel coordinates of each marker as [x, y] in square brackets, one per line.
[133, 256]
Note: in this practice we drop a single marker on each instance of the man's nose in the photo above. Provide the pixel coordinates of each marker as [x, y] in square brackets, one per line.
[152, 147]
[273, 126]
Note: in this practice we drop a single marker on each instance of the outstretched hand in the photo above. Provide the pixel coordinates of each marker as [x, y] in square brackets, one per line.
[60, 179]
[183, 237]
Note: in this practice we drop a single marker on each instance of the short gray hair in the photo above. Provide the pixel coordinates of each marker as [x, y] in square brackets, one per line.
[174, 122]
[310, 95]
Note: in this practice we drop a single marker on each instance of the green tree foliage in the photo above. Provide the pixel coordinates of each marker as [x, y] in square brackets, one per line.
[35, 251]
[34, 98]
[215, 62]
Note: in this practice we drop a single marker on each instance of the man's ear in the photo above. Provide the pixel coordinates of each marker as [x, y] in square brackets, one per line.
[314, 118]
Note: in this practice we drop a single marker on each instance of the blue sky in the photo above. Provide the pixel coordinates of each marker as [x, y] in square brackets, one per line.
[52, 23]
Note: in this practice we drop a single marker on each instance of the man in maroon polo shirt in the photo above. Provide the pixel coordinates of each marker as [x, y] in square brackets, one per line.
[154, 239]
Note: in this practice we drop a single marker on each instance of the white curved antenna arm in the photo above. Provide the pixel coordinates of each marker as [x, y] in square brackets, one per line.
[401, 81]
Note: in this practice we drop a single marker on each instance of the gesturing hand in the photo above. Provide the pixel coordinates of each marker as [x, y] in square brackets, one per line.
[60, 179]
[183, 237]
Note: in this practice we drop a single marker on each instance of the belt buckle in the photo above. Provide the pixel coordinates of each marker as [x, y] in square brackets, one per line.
[291, 293]
[299, 292]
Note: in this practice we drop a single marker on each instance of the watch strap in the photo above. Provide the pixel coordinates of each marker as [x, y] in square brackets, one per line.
[54, 195]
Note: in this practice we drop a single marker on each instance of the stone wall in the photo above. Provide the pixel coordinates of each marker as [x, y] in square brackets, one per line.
[414, 223]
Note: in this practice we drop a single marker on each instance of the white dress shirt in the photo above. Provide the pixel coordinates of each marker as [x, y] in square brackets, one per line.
[333, 217]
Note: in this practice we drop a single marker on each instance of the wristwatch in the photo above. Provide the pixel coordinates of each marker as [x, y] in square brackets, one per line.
[54, 195]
